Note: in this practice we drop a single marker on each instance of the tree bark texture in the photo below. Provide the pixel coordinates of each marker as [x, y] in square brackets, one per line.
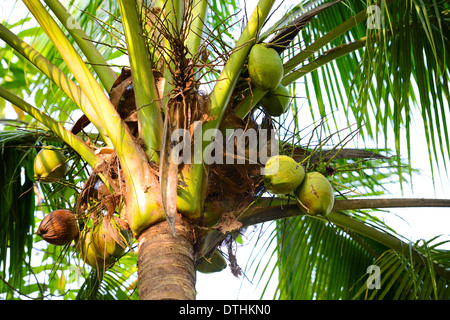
[166, 268]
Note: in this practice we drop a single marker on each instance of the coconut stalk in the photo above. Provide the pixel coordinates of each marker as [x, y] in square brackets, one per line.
[106, 75]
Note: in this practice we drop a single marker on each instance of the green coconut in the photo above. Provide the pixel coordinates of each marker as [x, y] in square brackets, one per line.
[282, 175]
[99, 249]
[105, 243]
[50, 165]
[214, 263]
[265, 67]
[59, 227]
[276, 102]
[315, 195]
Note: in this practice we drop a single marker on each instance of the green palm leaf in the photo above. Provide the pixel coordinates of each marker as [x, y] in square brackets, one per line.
[317, 261]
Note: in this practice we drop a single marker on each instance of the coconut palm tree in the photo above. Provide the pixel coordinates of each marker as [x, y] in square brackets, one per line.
[150, 102]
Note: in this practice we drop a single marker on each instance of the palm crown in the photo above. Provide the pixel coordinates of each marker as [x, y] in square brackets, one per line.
[139, 71]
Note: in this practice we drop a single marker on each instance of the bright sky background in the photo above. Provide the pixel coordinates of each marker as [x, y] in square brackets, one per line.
[415, 224]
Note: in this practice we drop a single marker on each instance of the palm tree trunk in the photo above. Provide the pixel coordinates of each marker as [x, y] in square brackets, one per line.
[166, 262]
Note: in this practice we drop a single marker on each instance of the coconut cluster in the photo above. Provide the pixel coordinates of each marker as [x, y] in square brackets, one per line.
[265, 69]
[312, 190]
[282, 174]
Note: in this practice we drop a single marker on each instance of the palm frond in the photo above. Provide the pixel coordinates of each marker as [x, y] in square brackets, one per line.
[317, 261]
[313, 259]
[420, 38]
[403, 279]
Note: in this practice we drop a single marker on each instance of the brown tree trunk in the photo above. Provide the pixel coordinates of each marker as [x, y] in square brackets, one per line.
[166, 262]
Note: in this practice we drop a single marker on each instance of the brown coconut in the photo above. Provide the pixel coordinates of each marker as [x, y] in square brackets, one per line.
[59, 227]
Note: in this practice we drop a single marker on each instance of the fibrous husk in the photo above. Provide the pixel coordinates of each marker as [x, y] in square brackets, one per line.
[59, 227]
[232, 186]
[228, 223]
